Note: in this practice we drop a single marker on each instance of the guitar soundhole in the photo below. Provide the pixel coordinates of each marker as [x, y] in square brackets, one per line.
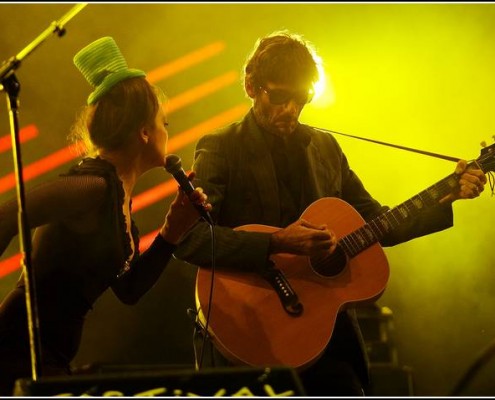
[331, 265]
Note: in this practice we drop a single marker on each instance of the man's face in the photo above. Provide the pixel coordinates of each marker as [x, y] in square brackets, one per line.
[277, 106]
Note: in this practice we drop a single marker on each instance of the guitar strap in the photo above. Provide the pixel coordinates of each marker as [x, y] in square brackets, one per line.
[287, 295]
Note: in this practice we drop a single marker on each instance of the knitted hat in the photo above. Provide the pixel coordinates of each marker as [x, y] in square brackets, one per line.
[103, 66]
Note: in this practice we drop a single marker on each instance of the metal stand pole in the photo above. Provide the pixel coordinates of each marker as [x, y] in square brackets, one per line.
[10, 84]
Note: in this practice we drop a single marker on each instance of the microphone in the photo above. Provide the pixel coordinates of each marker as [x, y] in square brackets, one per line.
[173, 165]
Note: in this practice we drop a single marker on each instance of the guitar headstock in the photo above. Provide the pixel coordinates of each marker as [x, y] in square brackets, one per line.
[486, 160]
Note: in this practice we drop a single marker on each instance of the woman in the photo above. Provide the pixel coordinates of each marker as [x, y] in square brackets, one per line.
[85, 240]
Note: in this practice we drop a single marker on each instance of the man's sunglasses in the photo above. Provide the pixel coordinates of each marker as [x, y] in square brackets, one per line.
[282, 96]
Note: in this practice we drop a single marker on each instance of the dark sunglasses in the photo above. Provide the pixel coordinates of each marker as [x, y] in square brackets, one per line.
[282, 96]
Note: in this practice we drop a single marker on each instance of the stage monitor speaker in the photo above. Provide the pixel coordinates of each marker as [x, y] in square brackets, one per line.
[235, 381]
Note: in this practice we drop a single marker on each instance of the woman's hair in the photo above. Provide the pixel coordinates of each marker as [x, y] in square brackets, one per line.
[282, 57]
[109, 123]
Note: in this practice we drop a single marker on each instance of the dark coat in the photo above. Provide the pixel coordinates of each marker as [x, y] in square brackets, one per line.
[236, 171]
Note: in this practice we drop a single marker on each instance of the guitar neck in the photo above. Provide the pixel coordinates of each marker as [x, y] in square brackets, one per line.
[370, 233]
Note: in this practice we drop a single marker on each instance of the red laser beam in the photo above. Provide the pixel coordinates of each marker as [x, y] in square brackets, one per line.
[27, 133]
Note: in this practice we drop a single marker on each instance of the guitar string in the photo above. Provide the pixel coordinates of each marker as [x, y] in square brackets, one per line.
[355, 242]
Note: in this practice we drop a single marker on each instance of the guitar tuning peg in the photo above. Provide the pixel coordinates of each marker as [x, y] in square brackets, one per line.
[483, 144]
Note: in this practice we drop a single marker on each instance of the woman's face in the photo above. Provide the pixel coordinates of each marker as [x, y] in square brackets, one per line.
[158, 138]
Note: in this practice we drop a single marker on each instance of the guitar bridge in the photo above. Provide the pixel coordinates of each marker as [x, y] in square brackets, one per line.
[287, 295]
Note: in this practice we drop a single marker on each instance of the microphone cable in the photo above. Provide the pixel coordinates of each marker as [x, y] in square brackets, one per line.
[204, 327]
[474, 369]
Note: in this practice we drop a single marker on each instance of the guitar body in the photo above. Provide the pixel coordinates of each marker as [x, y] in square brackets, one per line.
[248, 323]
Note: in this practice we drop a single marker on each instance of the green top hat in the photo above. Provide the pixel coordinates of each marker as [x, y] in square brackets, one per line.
[103, 66]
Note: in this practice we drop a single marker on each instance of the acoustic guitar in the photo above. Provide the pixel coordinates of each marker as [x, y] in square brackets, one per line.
[286, 316]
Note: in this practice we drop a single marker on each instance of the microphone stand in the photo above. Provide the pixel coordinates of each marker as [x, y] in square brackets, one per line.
[10, 84]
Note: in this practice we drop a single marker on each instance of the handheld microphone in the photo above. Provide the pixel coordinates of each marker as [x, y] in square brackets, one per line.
[173, 165]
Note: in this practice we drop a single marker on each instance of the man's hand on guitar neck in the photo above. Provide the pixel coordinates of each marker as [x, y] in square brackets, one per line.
[471, 183]
[303, 238]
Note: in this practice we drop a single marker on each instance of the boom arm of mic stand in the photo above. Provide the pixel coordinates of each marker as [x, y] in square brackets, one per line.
[58, 27]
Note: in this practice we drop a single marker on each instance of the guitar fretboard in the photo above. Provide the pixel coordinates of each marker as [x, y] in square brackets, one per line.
[370, 233]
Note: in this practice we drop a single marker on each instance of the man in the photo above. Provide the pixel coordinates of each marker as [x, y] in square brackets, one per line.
[267, 169]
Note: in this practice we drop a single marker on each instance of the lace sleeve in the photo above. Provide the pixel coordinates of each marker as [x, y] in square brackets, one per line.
[145, 271]
[53, 201]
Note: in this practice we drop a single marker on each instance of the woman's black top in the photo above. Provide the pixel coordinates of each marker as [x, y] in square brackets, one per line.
[79, 250]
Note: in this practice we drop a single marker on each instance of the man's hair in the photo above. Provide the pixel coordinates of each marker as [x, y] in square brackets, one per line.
[282, 57]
